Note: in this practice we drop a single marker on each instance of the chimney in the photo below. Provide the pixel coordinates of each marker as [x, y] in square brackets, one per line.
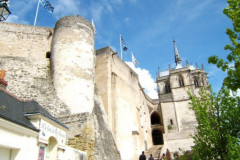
[3, 83]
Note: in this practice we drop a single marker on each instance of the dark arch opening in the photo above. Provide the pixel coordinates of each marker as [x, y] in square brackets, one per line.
[155, 118]
[157, 137]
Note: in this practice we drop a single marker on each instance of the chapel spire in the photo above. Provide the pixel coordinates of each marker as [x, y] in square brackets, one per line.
[178, 60]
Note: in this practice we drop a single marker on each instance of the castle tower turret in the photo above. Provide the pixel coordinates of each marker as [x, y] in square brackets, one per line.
[73, 63]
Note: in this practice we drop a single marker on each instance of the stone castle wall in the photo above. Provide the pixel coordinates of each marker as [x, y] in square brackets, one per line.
[113, 121]
[28, 71]
[30, 42]
[127, 106]
[29, 77]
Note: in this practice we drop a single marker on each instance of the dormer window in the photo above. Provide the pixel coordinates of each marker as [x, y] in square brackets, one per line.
[181, 84]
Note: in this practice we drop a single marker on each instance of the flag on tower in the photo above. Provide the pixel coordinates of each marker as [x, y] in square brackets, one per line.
[124, 47]
[47, 5]
[94, 28]
[134, 60]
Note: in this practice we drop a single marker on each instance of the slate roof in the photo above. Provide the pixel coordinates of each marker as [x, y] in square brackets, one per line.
[12, 110]
[15, 110]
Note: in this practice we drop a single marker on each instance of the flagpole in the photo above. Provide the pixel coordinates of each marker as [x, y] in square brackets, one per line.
[36, 13]
[132, 57]
[121, 45]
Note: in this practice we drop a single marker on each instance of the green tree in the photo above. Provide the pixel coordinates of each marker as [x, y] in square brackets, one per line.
[232, 63]
[218, 131]
[218, 115]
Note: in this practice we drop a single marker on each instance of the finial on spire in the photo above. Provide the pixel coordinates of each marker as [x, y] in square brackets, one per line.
[202, 67]
[197, 66]
[177, 56]
[169, 67]
[187, 63]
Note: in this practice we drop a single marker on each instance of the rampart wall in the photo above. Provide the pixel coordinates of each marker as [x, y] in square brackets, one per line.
[128, 107]
[28, 71]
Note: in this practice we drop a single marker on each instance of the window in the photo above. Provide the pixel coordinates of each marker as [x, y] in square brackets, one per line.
[171, 121]
[181, 84]
[167, 87]
[48, 54]
[202, 81]
[155, 118]
[196, 83]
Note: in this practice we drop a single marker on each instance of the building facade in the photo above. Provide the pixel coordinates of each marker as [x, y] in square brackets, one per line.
[95, 94]
[29, 132]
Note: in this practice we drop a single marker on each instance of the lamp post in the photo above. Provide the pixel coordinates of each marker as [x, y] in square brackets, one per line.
[4, 10]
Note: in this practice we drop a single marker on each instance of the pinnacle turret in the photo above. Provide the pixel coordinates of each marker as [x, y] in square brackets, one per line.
[178, 60]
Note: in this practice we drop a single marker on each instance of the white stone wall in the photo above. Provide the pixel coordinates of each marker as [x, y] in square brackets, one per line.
[28, 71]
[20, 140]
[128, 110]
[73, 63]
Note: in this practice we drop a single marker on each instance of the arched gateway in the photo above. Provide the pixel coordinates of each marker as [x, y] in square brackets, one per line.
[157, 137]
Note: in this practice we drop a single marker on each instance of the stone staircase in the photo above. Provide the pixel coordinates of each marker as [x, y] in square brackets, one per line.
[155, 150]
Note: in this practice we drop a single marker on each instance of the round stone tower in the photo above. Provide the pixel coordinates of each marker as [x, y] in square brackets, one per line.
[73, 63]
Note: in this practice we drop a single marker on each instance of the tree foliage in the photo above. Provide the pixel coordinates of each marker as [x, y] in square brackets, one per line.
[218, 131]
[218, 115]
[232, 64]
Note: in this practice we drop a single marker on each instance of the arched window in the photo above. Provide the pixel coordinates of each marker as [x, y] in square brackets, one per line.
[181, 84]
[51, 150]
[196, 83]
[155, 118]
[167, 87]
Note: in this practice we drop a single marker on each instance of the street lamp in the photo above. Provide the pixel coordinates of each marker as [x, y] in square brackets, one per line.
[4, 11]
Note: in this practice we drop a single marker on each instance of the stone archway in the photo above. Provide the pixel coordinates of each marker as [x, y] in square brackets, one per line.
[157, 137]
[155, 118]
[51, 149]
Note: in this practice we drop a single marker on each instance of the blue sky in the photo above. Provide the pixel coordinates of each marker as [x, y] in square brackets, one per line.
[147, 27]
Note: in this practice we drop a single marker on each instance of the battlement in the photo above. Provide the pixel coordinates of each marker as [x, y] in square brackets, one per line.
[75, 22]
[25, 29]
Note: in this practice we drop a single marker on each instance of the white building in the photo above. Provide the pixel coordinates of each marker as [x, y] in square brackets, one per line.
[29, 132]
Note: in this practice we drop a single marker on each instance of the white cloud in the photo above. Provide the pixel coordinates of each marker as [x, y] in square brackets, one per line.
[98, 8]
[20, 11]
[117, 1]
[15, 19]
[96, 12]
[69, 7]
[127, 19]
[133, 1]
[146, 80]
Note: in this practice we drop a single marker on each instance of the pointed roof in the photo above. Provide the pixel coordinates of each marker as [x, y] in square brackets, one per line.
[178, 60]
